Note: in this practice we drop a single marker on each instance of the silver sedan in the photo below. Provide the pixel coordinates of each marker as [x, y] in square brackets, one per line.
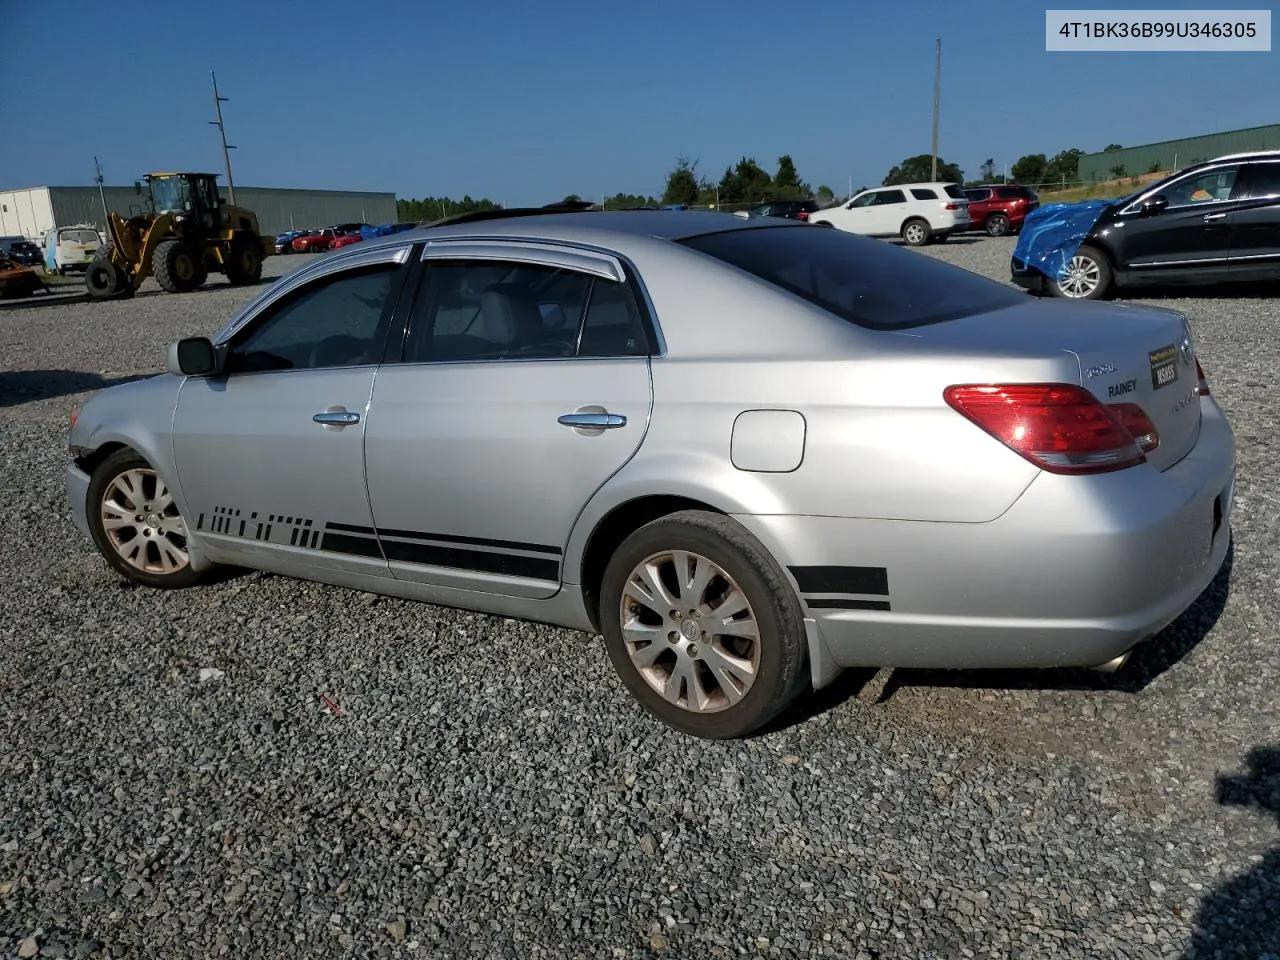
[749, 452]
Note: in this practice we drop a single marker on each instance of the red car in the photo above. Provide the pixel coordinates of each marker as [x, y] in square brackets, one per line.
[315, 242]
[345, 240]
[1000, 208]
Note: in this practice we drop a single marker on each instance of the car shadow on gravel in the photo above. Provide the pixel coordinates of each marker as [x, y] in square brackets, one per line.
[56, 299]
[1148, 661]
[1251, 290]
[1241, 918]
[27, 386]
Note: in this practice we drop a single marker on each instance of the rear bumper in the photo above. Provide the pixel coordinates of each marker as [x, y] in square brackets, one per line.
[1075, 573]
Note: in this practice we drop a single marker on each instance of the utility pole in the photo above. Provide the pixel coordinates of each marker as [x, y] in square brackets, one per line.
[106, 214]
[937, 90]
[226, 156]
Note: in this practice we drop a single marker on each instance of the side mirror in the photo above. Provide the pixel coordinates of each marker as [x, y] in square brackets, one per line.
[1154, 205]
[192, 357]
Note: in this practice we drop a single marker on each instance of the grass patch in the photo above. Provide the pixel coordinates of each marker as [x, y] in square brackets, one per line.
[1104, 190]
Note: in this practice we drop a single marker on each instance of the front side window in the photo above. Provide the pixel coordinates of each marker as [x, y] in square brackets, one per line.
[1009, 193]
[335, 321]
[865, 200]
[977, 195]
[495, 310]
[1206, 187]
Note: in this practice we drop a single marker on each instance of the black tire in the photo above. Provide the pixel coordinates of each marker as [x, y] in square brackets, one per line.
[177, 268]
[156, 531]
[780, 653]
[105, 280]
[915, 232]
[244, 262]
[997, 225]
[1086, 262]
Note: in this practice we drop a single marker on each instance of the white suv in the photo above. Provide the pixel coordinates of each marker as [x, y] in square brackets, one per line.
[917, 212]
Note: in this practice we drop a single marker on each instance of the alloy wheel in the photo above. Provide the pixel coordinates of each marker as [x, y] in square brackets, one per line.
[1082, 276]
[690, 631]
[142, 523]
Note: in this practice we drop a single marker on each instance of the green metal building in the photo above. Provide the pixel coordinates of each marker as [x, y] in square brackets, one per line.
[1176, 154]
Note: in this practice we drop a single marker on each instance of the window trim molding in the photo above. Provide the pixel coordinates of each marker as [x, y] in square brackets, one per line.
[286, 285]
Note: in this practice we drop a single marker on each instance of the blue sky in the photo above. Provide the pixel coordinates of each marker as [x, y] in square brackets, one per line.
[527, 102]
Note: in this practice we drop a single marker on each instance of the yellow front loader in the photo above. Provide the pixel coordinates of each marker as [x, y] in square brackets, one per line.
[187, 234]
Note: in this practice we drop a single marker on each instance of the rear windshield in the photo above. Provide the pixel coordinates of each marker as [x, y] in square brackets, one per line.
[79, 236]
[954, 191]
[864, 281]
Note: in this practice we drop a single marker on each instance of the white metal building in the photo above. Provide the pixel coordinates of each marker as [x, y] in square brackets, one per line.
[32, 211]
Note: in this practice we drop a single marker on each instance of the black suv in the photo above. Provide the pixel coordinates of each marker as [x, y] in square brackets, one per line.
[1213, 222]
[790, 209]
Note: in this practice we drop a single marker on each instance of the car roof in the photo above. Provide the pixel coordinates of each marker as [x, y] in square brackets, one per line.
[1250, 155]
[603, 227]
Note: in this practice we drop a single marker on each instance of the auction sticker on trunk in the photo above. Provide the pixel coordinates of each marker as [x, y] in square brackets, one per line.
[1164, 366]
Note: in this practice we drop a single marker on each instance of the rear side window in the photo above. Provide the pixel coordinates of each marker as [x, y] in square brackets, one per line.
[954, 192]
[1264, 179]
[864, 281]
[890, 196]
[1028, 193]
[922, 194]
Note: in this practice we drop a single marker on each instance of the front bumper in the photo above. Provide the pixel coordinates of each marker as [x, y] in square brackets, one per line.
[1075, 573]
[1029, 278]
[78, 497]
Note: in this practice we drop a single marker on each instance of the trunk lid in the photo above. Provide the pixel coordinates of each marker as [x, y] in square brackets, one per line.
[1127, 354]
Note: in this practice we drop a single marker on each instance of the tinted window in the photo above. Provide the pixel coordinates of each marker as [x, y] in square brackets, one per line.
[1264, 180]
[864, 281]
[954, 191]
[490, 310]
[977, 196]
[922, 194]
[79, 236]
[890, 196]
[336, 321]
[1008, 193]
[1028, 193]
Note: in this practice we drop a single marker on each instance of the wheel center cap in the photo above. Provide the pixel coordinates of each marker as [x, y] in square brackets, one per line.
[690, 629]
[153, 521]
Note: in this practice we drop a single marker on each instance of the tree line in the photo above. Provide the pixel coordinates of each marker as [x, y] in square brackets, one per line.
[747, 184]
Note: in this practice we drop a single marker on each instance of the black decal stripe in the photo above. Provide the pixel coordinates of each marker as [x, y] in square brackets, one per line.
[349, 528]
[293, 540]
[869, 580]
[480, 561]
[846, 603]
[472, 541]
[357, 546]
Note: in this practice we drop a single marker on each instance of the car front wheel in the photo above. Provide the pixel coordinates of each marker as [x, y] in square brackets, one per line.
[136, 525]
[1085, 276]
[997, 225]
[702, 626]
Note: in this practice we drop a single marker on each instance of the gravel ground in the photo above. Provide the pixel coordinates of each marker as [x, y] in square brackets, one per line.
[471, 796]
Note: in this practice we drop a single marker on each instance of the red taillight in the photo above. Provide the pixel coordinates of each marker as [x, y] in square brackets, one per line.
[952, 206]
[75, 415]
[1060, 427]
[1202, 384]
[803, 215]
[1138, 424]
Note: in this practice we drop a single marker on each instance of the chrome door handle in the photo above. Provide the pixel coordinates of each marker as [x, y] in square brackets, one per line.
[342, 418]
[600, 421]
[1213, 216]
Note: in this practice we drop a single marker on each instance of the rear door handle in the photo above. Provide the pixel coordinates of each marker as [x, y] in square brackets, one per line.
[340, 418]
[599, 421]
[1213, 216]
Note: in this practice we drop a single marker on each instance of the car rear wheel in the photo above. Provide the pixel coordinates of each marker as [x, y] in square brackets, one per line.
[997, 225]
[135, 524]
[702, 626]
[915, 232]
[1086, 276]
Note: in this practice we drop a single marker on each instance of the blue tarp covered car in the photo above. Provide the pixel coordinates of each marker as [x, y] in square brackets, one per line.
[1052, 234]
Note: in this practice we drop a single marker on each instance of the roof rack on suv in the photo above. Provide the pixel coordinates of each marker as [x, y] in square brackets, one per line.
[475, 216]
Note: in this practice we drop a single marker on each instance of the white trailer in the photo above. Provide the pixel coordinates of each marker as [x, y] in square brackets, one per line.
[27, 213]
